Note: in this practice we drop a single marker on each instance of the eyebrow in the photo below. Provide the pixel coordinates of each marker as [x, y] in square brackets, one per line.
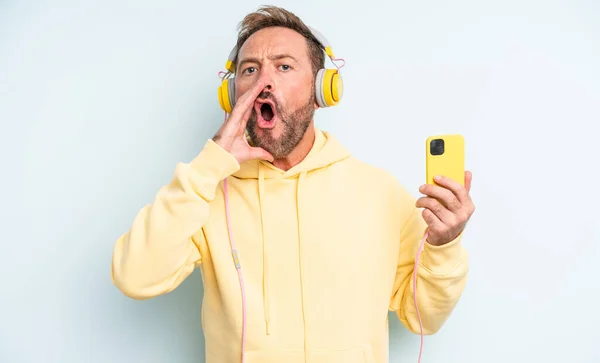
[272, 57]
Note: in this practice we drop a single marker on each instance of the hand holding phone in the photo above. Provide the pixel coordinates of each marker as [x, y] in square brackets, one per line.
[447, 203]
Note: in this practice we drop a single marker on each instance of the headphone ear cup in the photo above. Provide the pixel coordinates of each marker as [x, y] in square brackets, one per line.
[227, 95]
[319, 88]
[337, 87]
[231, 85]
[332, 87]
[329, 87]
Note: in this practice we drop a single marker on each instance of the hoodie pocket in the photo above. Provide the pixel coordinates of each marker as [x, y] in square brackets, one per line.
[362, 354]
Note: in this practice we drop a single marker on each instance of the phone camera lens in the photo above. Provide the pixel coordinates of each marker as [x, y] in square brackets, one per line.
[437, 147]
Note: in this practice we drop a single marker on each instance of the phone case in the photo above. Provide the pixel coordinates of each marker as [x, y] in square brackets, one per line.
[450, 162]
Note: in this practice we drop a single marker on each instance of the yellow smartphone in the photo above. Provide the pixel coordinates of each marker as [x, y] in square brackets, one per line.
[445, 156]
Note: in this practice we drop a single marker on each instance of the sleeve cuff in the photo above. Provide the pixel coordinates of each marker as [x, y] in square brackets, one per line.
[444, 259]
[214, 163]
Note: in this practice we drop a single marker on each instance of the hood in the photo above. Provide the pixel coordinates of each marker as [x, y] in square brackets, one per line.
[325, 151]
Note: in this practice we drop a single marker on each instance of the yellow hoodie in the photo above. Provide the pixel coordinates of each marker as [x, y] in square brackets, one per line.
[326, 249]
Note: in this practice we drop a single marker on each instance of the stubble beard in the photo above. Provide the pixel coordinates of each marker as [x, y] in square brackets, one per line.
[294, 125]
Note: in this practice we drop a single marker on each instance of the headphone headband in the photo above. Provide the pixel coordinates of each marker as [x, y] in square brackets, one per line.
[323, 42]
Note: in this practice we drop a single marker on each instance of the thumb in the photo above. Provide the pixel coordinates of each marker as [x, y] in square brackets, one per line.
[468, 179]
[260, 153]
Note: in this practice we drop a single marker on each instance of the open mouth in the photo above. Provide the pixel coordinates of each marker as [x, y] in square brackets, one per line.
[266, 111]
[267, 115]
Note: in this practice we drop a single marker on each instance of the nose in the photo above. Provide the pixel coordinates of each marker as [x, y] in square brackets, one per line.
[266, 76]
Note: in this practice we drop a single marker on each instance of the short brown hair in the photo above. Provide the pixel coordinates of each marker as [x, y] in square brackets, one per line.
[269, 16]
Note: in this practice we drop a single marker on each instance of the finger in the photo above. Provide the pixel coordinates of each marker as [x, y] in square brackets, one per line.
[246, 101]
[436, 208]
[455, 187]
[260, 153]
[445, 196]
[433, 222]
[246, 116]
[468, 178]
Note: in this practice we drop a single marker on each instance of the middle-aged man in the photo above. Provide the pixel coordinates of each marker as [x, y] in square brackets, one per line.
[303, 248]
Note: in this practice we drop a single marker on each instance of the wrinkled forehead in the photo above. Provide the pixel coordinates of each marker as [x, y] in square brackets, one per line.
[274, 41]
[274, 35]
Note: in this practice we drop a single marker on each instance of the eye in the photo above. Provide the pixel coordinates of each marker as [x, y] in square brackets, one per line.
[286, 67]
[249, 70]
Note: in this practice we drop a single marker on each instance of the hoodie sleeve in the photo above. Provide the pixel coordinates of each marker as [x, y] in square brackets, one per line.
[441, 275]
[161, 248]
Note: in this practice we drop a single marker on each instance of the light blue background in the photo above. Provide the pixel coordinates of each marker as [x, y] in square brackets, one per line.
[100, 100]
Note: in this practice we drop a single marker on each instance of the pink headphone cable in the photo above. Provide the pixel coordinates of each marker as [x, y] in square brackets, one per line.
[415, 273]
[236, 259]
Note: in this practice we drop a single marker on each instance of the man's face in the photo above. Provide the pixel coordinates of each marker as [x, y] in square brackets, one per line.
[285, 109]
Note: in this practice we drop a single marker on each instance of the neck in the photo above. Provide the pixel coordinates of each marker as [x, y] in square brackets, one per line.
[299, 152]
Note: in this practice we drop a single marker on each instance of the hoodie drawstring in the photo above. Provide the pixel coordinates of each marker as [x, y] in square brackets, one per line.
[261, 192]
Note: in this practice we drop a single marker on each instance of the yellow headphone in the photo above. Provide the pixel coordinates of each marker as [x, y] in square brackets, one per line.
[329, 86]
